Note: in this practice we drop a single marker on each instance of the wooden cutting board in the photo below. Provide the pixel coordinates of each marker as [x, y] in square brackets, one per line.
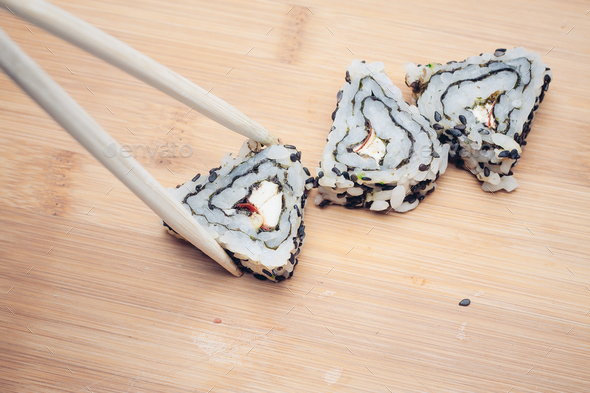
[95, 296]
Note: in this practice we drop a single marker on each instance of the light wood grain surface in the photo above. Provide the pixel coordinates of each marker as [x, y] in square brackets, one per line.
[96, 297]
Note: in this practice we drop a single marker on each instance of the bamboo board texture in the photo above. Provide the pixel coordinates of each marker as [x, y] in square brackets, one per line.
[95, 296]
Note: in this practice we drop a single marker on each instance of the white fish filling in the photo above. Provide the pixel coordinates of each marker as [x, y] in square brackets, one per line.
[269, 202]
[482, 114]
[373, 147]
[271, 210]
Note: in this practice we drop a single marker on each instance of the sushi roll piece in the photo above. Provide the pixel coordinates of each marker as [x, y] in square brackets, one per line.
[381, 153]
[253, 206]
[482, 108]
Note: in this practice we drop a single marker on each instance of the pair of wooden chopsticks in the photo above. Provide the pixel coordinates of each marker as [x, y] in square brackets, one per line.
[74, 119]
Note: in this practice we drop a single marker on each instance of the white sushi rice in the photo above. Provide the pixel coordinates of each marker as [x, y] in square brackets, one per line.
[263, 180]
[483, 108]
[381, 153]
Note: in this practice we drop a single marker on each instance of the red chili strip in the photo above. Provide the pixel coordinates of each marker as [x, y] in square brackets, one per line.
[248, 206]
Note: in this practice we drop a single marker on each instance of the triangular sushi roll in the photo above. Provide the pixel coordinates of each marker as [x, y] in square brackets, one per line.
[253, 206]
[381, 153]
[483, 108]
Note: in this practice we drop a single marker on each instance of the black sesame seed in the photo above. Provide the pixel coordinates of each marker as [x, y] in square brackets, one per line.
[290, 147]
[309, 180]
[292, 259]
[315, 182]
[460, 127]
[423, 167]
[437, 116]
[339, 96]
[334, 113]
[320, 174]
[462, 119]
[437, 126]
[212, 177]
[499, 52]
[298, 156]
[465, 302]
[347, 77]
[484, 131]
[196, 177]
[514, 154]
[547, 78]
[354, 177]
[523, 143]
[306, 171]
[454, 132]
[297, 210]
[259, 276]
[486, 172]
[280, 278]
[214, 169]
[504, 153]
[366, 178]
[435, 155]
[341, 195]
[410, 199]
[346, 175]
[336, 171]
[324, 203]
[443, 139]
[481, 165]
[266, 272]
[293, 157]
[421, 198]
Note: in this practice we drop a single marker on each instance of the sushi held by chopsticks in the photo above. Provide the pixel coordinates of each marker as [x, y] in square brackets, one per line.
[253, 207]
[483, 108]
[381, 153]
